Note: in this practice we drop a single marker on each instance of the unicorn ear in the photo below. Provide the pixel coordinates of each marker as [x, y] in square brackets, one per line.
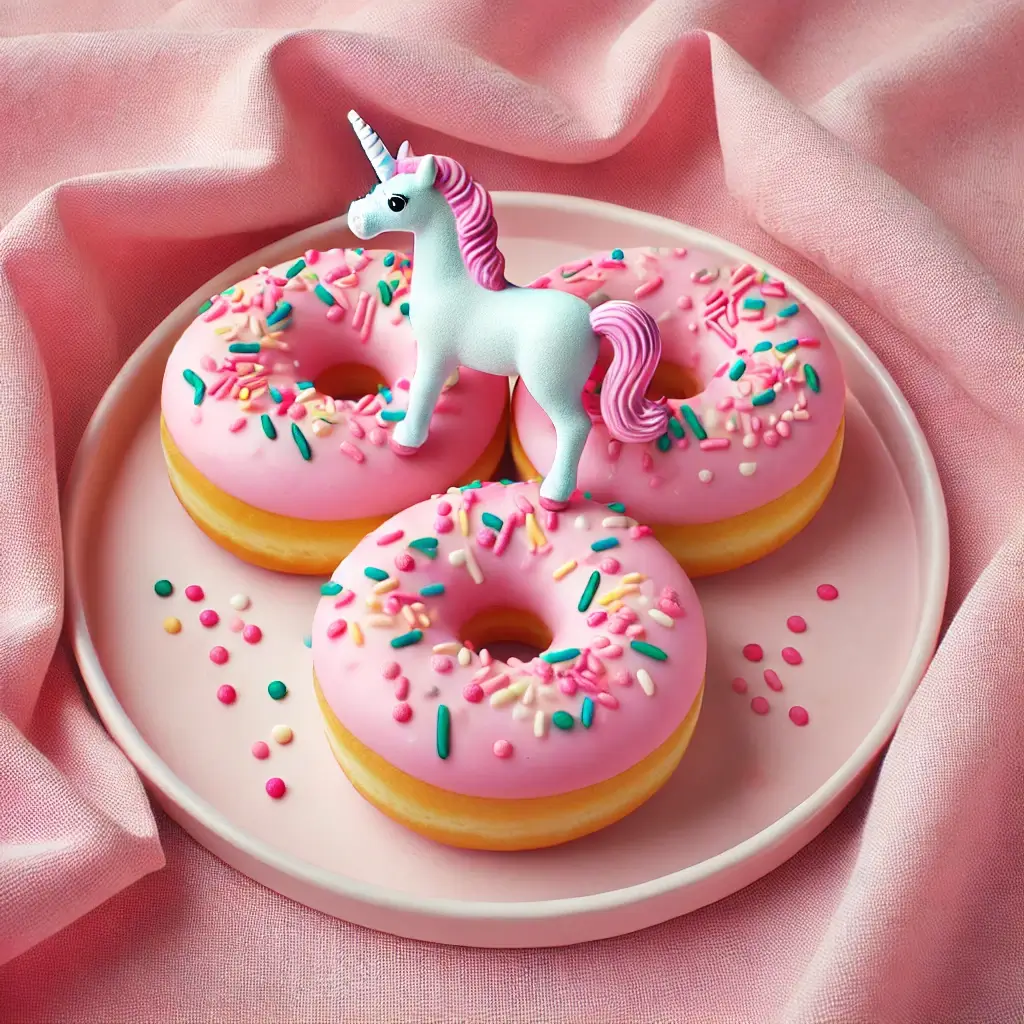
[426, 172]
[405, 151]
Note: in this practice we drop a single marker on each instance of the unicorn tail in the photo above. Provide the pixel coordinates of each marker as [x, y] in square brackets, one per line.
[636, 348]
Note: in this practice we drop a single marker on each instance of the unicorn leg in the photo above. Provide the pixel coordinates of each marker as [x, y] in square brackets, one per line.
[424, 391]
[572, 427]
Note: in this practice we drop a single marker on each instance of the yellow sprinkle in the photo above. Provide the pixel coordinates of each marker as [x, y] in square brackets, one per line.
[614, 595]
[172, 625]
[423, 621]
[465, 656]
[615, 606]
[222, 330]
[661, 618]
[645, 681]
[533, 530]
[258, 392]
[564, 570]
[540, 724]
[357, 634]
[306, 396]
[381, 621]
[386, 586]
[282, 734]
[463, 522]
[244, 394]
[417, 606]
[410, 615]
[448, 647]
[529, 694]
[511, 693]
[634, 577]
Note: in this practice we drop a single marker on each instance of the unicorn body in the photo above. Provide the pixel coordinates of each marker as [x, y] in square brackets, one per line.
[464, 313]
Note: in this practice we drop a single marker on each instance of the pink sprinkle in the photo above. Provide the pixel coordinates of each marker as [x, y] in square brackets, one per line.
[260, 750]
[739, 685]
[237, 425]
[499, 682]
[614, 450]
[236, 625]
[227, 694]
[378, 437]
[502, 749]
[391, 670]
[771, 677]
[608, 700]
[390, 538]
[798, 715]
[252, 634]
[401, 712]
[392, 606]
[276, 788]
[206, 363]
[596, 618]
[486, 537]
[349, 449]
[336, 628]
[796, 624]
[444, 508]
[486, 658]
[671, 608]
[753, 652]
[771, 438]
[550, 520]
[441, 663]
[622, 678]
[636, 532]
[401, 688]
[208, 617]
[404, 562]
[791, 656]
[610, 566]
[612, 651]
[474, 693]
[715, 444]
[356, 429]
[567, 685]
[827, 592]
[444, 524]
[296, 412]
[344, 598]
[649, 286]
[194, 592]
[646, 462]
[219, 655]
[523, 504]
[312, 256]
[760, 706]
[634, 631]
[335, 313]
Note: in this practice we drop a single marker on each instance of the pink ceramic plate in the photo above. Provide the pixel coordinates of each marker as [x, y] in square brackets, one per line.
[751, 791]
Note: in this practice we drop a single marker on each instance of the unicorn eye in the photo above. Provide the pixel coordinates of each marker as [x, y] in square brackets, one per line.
[397, 203]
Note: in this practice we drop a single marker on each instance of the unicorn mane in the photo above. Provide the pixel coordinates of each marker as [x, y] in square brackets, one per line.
[474, 219]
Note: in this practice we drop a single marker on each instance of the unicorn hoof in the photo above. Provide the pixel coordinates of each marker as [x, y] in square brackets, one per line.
[402, 449]
[550, 505]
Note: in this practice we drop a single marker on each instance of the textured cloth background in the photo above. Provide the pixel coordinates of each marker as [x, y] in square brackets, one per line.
[872, 148]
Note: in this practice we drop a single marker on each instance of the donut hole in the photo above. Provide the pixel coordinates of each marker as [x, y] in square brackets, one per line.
[349, 381]
[673, 381]
[507, 633]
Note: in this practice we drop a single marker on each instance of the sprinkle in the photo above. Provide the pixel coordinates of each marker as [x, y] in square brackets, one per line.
[277, 690]
[227, 694]
[787, 346]
[244, 347]
[737, 369]
[753, 304]
[386, 586]
[566, 654]
[260, 750]
[349, 449]
[198, 387]
[753, 652]
[643, 677]
[589, 591]
[385, 292]
[760, 706]
[788, 311]
[194, 592]
[764, 398]
[747, 468]
[649, 286]
[693, 422]
[649, 650]
[563, 570]
[562, 720]
[739, 685]
[444, 731]
[336, 628]
[426, 545]
[705, 476]
[330, 588]
[798, 715]
[587, 713]
[463, 522]
[301, 443]
[295, 269]
[661, 618]
[827, 592]
[307, 640]
[373, 573]
[473, 692]
[432, 590]
[163, 588]
[268, 426]
[239, 602]
[618, 254]
[357, 634]
[796, 624]
[507, 694]
[604, 544]
[633, 577]
[218, 655]
[209, 618]
[205, 306]
[771, 677]
[172, 625]
[791, 656]
[810, 375]
[491, 520]
[414, 636]
[276, 788]
[502, 749]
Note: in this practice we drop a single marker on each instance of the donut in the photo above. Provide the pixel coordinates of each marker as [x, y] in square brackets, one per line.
[279, 400]
[757, 397]
[471, 746]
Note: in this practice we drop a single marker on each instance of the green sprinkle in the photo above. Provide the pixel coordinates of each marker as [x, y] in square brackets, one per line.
[249, 347]
[404, 309]
[788, 311]
[414, 636]
[444, 731]
[385, 292]
[163, 588]
[205, 306]
[274, 393]
[762, 346]
[360, 250]
[588, 495]
[618, 254]
[295, 269]
[385, 393]
[562, 720]
[753, 303]
[737, 369]
[389, 260]
[426, 545]
[432, 590]
[304, 385]
[301, 443]
[268, 427]
[491, 520]
[405, 263]
[787, 346]
[589, 591]
[505, 482]
[277, 690]
[392, 415]
[323, 295]
[649, 650]
[616, 507]
[675, 428]
[812, 378]
[373, 573]
[587, 713]
[566, 654]
[605, 544]
[693, 423]
[282, 312]
[474, 486]
[307, 640]
[196, 383]
[664, 443]
[763, 398]
[330, 588]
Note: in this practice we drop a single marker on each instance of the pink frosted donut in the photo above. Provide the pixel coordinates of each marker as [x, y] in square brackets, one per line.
[279, 400]
[757, 395]
[475, 751]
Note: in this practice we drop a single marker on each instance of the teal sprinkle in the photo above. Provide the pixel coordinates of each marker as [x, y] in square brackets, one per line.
[787, 346]
[385, 393]
[737, 369]
[587, 713]
[385, 292]
[274, 393]
[762, 346]
[323, 295]
[764, 398]
[432, 590]
[244, 346]
[443, 731]
[330, 588]
[475, 485]
[392, 415]
[788, 311]
[307, 640]
[649, 650]
[196, 383]
[587, 597]
[693, 423]
[208, 304]
[404, 309]
[426, 545]
[753, 303]
[301, 443]
[675, 428]
[373, 573]
[268, 427]
[812, 378]
[605, 544]
[389, 260]
[282, 312]
[505, 482]
[304, 385]
[414, 636]
[617, 507]
[359, 251]
[664, 443]
[618, 254]
[566, 654]
[491, 520]
[277, 690]
[562, 720]
[295, 269]
[405, 263]
[588, 495]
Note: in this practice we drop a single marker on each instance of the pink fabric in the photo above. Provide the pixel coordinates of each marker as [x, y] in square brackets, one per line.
[874, 149]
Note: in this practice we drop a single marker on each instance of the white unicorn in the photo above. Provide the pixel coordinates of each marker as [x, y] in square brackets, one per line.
[464, 313]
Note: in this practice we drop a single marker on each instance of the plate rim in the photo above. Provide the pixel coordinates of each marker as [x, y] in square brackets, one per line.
[157, 774]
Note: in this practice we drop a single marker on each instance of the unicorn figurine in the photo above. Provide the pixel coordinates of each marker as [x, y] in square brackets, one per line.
[464, 312]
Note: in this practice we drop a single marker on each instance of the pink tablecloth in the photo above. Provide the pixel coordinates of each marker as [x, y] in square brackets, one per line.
[874, 149]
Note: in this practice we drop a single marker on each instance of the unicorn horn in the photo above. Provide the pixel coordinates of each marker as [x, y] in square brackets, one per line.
[375, 150]
[405, 151]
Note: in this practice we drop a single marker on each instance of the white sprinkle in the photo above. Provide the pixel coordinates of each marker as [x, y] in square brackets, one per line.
[580, 522]
[529, 694]
[705, 476]
[380, 621]
[664, 315]
[520, 711]
[457, 557]
[646, 682]
[747, 468]
[240, 602]
[448, 647]
[618, 522]
[509, 693]
[801, 414]
[540, 724]
[661, 618]
[473, 566]
[465, 656]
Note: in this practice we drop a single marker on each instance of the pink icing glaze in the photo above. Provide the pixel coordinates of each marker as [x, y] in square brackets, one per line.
[757, 452]
[352, 471]
[482, 693]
